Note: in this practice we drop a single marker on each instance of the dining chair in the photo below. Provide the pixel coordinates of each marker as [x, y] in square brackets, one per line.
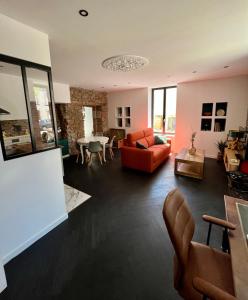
[110, 147]
[200, 271]
[95, 148]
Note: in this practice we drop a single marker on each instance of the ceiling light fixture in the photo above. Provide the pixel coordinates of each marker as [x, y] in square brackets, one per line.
[124, 63]
[83, 13]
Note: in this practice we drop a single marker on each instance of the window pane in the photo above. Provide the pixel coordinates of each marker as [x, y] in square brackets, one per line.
[171, 102]
[15, 125]
[41, 111]
[158, 107]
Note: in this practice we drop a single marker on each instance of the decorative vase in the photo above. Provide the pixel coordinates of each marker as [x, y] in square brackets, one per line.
[192, 151]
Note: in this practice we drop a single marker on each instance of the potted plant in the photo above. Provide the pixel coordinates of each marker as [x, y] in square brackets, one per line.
[221, 145]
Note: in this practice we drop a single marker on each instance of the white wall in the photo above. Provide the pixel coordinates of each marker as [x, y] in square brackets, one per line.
[32, 200]
[61, 92]
[24, 42]
[137, 99]
[32, 197]
[189, 107]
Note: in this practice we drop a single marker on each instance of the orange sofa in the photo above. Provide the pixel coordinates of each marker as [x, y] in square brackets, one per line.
[143, 159]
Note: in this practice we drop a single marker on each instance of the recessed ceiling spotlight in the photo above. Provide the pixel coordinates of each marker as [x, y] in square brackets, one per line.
[194, 72]
[225, 67]
[83, 13]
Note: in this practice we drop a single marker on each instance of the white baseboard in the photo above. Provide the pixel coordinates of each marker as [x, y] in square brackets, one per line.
[33, 239]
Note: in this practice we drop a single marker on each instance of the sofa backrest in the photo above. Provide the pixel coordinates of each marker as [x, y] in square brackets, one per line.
[144, 137]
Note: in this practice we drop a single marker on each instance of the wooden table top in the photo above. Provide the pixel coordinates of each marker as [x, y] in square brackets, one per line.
[238, 248]
[184, 155]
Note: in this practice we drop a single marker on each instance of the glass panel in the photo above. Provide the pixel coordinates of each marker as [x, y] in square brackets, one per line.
[127, 122]
[41, 111]
[158, 108]
[171, 103]
[127, 111]
[15, 125]
[119, 111]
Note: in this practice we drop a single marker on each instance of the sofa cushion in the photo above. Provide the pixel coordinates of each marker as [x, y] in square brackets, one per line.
[160, 151]
[148, 131]
[140, 146]
[133, 137]
[150, 140]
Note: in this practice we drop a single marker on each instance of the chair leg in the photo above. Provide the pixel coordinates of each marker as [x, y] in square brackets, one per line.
[225, 241]
[90, 160]
[209, 233]
[111, 153]
[77, 158]
[100, 157]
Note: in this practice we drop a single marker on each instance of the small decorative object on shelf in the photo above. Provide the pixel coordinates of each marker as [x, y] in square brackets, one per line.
[221, 145]
[192, 151]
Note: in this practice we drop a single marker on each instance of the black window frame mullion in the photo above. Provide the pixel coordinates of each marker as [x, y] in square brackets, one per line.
[164, 111]
[53, 111]
[28, 107]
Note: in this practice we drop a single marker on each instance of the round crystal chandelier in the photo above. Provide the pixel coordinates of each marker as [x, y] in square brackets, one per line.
[124, 63]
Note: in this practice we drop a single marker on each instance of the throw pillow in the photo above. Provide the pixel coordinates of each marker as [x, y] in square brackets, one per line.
[140, 146]
[158, 140]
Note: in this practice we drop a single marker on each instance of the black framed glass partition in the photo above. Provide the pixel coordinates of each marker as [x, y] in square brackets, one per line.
[26, 96]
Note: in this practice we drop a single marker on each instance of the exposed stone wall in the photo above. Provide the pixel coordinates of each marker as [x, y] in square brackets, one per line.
[15, 127]
[70, 117]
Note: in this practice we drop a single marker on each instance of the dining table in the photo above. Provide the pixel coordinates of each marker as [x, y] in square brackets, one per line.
[85, 141]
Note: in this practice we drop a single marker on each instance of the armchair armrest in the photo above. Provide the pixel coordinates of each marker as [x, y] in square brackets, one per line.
[219, 222]
[211, 291]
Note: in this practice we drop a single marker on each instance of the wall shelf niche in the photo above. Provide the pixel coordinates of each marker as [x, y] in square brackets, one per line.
[123, 117]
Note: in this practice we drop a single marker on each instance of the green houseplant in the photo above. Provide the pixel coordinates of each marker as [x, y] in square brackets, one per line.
[221, 145]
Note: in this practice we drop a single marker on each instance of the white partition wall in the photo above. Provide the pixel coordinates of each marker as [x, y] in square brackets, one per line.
[32, 200]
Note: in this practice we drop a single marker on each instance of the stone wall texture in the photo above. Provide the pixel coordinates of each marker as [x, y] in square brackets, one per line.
[70, 117]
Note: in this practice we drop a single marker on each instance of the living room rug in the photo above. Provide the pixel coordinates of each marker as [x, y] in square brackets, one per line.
[74, 197]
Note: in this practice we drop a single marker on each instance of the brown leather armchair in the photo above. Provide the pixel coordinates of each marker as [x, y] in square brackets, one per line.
[200, 272]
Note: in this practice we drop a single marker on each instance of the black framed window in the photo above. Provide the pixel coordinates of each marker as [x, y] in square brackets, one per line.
[27, 113]
[164, 109]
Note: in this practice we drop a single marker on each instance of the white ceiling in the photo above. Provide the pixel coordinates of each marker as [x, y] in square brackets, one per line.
[178, 37]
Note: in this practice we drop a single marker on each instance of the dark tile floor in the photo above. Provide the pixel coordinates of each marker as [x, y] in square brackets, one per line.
[115, 245]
